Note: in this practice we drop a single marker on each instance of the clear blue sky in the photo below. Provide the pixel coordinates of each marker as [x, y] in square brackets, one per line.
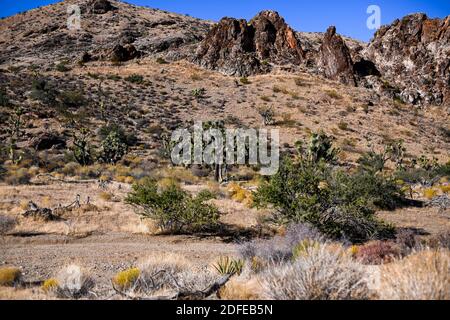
[349, 16]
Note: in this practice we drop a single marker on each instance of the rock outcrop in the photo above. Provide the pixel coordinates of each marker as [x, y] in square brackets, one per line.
[275, 40]
[413, 54]
[241, 48]
[334, 60]
[100, 6]
[123, 53]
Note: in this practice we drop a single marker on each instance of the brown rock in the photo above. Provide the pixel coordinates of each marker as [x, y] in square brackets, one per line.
[100, 6]
[414, 55]
[241, 48]
[229, 48]
[47, 141]
[334, 59]
[123, 53]
[275, 40]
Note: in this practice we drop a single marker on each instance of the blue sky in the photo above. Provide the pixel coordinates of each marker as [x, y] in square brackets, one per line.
[349, 16]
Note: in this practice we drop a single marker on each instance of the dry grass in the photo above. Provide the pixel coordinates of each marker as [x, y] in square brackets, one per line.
[318, 274]
[239, 194]
[240, 288]
[124, 280]
[106, 196]
[7, 293]
[167, 273]
[74, 282]
[9, 276]
[178, 174]
[7, 224]
[50, 285]
[424, 275]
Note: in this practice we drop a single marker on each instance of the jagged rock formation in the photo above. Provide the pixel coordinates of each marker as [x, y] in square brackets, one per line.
[238, 47]
[229, 48]
[275, 40]
[413, 54]
[100, 6]
[334, 59]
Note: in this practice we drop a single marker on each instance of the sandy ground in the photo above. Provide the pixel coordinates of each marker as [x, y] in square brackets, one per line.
[41, 257]
[105, 237]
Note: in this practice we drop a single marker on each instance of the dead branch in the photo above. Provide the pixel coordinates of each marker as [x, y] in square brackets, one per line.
[181, 295]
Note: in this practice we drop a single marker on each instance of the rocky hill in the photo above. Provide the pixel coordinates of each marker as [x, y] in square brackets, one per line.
[153, 71]
[414, 53]
[409, 58]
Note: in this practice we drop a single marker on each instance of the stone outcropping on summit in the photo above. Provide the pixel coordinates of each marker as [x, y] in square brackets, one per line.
[334, 60]
[413, 54]
[241, 48]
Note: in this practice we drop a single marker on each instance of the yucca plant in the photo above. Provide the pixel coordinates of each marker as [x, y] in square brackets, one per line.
[228, 266]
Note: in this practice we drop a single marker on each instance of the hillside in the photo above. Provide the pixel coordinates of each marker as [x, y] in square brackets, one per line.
[132, 75]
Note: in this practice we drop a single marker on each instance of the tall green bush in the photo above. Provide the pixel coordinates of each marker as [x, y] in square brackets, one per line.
[338, 203]
[173, 209]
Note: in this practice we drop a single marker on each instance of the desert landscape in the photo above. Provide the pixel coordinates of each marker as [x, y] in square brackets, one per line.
[92, 207]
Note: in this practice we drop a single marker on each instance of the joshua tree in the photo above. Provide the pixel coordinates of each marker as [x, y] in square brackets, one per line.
[267, 115]
[14, 132]
[82, 148]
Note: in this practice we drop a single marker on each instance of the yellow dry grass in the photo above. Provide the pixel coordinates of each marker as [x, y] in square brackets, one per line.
[424, 275]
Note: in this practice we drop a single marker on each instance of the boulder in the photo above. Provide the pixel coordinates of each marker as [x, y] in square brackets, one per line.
[122, 53]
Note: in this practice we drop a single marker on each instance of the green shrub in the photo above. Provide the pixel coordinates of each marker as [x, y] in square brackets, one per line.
[320, 148]
[372, 162]
[302, 248]
[72, 99]
[50, 285]
[128, 138]
[114, 77]
[7, 224]
[343, 126]
[124, 280]
[18, 176]
[43, 91]
[426, 175]
[333, 94]
[161, 61]
[113, 148]
[198, 93]
[339, 204]
[268, 115]
[62, 67]
[135, 78]
[173, 209]
[4, 100]
[81, 148]
[299, 82]
[244, 80]
[364, 188]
